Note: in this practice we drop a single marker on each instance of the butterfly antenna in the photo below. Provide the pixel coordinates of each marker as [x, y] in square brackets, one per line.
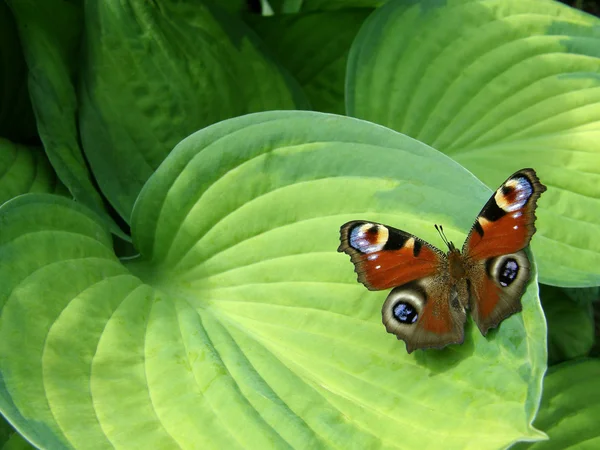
[440, 230]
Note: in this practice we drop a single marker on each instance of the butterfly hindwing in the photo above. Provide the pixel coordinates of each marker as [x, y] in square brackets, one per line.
[426, 313]
[498, 269]
[496, 287]
[385, 257]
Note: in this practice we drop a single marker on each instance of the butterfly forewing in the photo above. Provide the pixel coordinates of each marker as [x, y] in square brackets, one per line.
[385, 257]
[507, 221]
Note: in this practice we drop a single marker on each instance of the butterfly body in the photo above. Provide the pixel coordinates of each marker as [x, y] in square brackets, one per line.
[432, 290]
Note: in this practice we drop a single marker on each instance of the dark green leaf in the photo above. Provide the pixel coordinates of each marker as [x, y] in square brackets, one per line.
[10, 439]
[330, 5]
[583, 295]
[570, 407]
[51, 34]
[285, 6]
[16, 116]
[154, 72]
[25, 169]
[314, 48]
[570, 325]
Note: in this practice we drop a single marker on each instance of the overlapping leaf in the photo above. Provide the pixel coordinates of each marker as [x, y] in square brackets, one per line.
[25, 169]
[497, 85]
[5, 431]
[154, 72]
[282, 6]
[314, 48]
[570, 324]
[240, 326]
[10, 439]
[50, 32]
[570, 407]
[330, 5]
[16, 116]
[232, 6]
[583, 296]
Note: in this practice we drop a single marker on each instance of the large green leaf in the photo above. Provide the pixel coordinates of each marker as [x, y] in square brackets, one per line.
[25, 169]
[498, 85]
[570, 407]
[157, 71]
[570, 324]
[314, 48]
[51, 32]
[240, 326]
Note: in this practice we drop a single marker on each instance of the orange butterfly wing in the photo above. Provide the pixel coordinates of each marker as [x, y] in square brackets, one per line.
[498, 268]
[385, 257]
[507, 221]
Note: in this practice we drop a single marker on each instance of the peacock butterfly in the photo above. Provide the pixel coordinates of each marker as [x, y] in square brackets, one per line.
[432, 290]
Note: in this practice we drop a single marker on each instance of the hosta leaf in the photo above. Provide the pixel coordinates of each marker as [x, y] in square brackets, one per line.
[232, 6]
[240, 311]
[157, 71]
[583, 295]
[498, 85]
[330, 5]
[314, 48]
[285, 6]
[570, 407]
[570, 325]
[17, 442]
[5, 431]
[10, 439]
[25, 169]
[51, 35]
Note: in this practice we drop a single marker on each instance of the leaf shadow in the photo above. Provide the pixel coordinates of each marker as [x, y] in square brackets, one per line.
[439, 361]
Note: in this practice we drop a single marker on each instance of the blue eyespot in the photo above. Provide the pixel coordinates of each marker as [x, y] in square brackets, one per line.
[508, 272]
[405, 313]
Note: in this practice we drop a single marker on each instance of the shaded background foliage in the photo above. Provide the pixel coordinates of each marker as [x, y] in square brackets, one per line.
[202, 63]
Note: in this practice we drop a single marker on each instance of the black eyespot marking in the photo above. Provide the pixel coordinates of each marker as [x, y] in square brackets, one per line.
[492, 211]
[478, 228]
[507, 272]
[417, 248]
[405, 313]
[507, 190]
[373, 230]
[395, 241]
[489, 268]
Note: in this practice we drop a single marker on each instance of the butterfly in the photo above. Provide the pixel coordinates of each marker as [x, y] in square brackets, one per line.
[432, 290]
